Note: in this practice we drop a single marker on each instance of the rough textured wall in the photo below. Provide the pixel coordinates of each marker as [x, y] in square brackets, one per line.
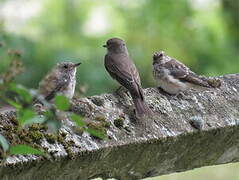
[159, 145]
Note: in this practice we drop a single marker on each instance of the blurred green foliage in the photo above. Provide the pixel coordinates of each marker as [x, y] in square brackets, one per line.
[62, 103]
[204, 37]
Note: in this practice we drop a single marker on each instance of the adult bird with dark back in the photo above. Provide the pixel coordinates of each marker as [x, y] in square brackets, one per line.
[122, 69]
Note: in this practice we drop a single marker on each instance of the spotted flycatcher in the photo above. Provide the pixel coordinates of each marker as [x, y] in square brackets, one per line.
[60, 80]
[122, 69]
[174, 77]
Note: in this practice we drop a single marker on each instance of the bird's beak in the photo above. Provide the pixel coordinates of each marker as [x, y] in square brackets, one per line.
[105, 46]
[77, 64]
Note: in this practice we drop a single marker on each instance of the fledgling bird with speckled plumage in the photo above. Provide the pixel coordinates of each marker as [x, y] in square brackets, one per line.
[174, 77]
[60, 80]
[122, 69]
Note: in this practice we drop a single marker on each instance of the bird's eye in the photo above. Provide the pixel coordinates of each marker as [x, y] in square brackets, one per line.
[65, 66]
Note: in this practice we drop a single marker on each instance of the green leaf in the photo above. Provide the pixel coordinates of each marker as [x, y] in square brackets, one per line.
[4, 143]
[24, 150]
[22, 91]
[25, 116]
[13, 103]
[96, 133]
[62, 103]
[78, 120]
[36, 119]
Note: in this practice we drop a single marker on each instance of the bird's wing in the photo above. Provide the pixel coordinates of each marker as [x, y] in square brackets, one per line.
[47, 84]
[137, 80]
[125, 72]
[183, 73]
[50, 85]
[118, 70]
[58, 86]
[177, 69]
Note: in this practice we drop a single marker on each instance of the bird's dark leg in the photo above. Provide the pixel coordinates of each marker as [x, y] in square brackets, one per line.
[119, 89]
[180, 94]
[122, 90]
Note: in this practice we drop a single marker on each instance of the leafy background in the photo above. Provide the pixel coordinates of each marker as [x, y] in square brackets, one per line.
[204, 34]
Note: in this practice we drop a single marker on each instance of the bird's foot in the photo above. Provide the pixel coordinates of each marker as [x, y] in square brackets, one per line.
[184, 95]
[121, 91]
[180, 95]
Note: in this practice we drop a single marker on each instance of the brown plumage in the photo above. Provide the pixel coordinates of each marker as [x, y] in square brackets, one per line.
[121, 68]
[60, 80]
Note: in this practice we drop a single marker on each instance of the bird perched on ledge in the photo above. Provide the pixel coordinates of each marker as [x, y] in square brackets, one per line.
[60, 80]
[121, 68]
[174, 77]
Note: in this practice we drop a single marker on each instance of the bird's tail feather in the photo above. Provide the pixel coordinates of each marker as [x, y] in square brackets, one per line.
[205, 82]
[141, 107]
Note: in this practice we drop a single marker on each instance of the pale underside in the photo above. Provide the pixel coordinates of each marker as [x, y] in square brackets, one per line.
[169, 84]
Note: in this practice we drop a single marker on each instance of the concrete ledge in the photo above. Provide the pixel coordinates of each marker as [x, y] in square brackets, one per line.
[163, 144]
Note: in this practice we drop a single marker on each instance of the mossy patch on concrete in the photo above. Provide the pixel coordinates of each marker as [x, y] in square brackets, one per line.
[119, 122]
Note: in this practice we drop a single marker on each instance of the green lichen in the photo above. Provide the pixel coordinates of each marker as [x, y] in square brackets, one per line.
[96, 126]
[13, 119]
[31, 135]
[37, 126]
[25, 139]
[63, 134]
[100, 118]
[51, 138]
[60, 138]
[103, 121]
[67, 145]
[106, 124]
[22, 134]
[78, 130]
[119, 122]
[8, 127]
[36, 136]
[97, 129]
[71, 143]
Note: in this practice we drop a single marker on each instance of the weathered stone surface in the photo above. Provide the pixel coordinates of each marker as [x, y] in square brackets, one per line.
[166, 143]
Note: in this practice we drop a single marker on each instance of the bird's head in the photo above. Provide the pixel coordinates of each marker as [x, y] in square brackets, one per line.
[116, 45]
[158, 57]
[67, 67]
